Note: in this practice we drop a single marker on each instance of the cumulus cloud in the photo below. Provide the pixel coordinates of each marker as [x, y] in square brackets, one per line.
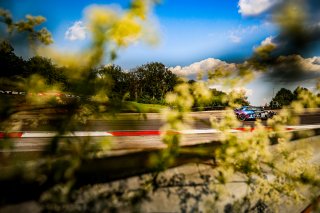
[268, 41]
[255, 7]
[283, 68]
[262, 53]
[287, 69]
[311, 64]
[294, 68]
[76, 32]
[298, 22]
[276, 69]
[201, 66]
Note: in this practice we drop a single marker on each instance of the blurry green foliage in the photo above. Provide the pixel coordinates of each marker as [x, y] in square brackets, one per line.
[285, 97]
[28, 26]
[270, 176]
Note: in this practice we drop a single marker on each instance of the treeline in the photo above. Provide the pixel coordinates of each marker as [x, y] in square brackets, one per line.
[284, 97]
[16, 68]
[147, 83]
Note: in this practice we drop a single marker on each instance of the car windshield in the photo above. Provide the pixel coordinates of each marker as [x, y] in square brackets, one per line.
[251, 108]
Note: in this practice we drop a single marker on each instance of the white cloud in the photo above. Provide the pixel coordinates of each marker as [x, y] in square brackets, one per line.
[201, 66]
[76, 32]
[268, 41]
[310, 64]
[244, 33]
[305, 65]
[255, 7]
[292, 69]
[315, 60]
[234, 38]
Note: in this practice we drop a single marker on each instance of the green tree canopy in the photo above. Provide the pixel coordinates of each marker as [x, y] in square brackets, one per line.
[44, 67]
[154, 81]
[10, 64]
[298, 90]
[118, 79]
[284, 97]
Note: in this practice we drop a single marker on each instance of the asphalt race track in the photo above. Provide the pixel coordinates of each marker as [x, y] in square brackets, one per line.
[124, 126]
[154, 122]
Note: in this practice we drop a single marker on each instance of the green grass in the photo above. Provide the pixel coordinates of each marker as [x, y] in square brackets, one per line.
[131, 106]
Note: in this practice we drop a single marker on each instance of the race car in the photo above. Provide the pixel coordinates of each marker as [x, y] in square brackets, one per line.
[252, 113]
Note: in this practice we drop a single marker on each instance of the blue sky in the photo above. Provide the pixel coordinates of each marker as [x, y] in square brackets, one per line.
[190, 31]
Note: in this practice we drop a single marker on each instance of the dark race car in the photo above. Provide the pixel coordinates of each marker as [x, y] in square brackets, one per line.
[253, 113]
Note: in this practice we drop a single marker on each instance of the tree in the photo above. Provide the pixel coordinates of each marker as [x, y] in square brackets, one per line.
[152, 81]
[241, 98]
[119, 80]
[217, 99]
[298, 90]
[10, 64]
[284, 97]
[133, 85]
[44, 67]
